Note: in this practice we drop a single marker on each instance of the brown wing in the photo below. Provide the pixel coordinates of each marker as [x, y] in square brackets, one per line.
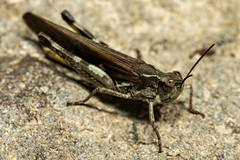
[117, 64]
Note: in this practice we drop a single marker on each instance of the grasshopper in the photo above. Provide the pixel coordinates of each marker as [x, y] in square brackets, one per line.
[106, 70]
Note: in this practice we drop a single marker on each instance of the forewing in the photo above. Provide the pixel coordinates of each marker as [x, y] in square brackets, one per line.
[114, 63]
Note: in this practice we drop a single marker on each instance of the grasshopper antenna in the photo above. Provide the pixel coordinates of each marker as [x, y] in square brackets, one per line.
[189, 73]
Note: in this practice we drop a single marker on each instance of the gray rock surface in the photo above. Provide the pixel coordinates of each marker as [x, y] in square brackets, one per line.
[36, 123]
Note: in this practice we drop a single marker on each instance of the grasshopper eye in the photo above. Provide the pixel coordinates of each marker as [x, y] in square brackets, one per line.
[170, 82]
[177, 73]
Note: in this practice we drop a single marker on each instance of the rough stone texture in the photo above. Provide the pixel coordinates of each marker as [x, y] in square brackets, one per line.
[36, 123]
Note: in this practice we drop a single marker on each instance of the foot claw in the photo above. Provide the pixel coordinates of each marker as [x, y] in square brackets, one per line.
[75, 103]
[193, 111]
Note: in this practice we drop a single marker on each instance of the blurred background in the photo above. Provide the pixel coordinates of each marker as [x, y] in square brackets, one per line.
[35, 122]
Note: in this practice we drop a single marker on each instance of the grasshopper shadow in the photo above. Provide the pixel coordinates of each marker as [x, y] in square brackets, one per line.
[139, 110]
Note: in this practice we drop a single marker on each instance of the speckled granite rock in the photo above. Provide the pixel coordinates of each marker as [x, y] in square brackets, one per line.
[36, 123]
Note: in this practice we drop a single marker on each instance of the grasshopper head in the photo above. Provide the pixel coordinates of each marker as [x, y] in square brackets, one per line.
[170, 86]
